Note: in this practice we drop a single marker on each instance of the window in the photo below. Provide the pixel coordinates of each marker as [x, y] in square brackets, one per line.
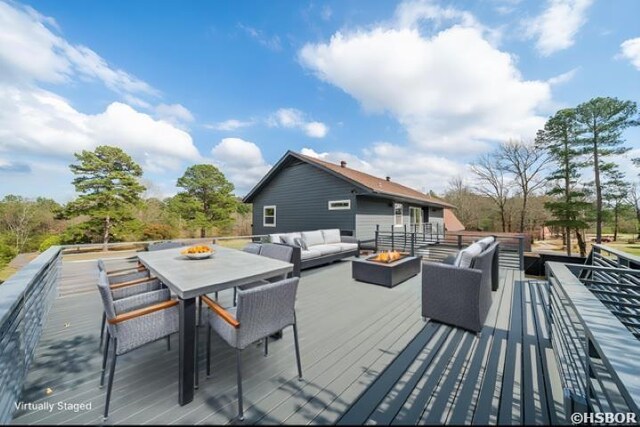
[415, 215]
[338, 205]
[397, 214]
[269, 216]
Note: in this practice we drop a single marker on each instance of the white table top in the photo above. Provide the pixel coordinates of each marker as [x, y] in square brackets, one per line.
[226, 269]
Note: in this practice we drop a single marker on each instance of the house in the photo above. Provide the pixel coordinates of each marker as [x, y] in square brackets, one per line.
[304, 193]
[451, 221]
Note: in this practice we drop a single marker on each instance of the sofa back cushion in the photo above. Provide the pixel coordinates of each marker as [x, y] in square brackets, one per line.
[312, 238]
[289, 238]
[331, 236]
[486, 242]
[275, 238]
[466, 256]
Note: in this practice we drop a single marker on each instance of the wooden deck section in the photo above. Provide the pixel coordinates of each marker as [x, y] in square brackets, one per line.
[367, 357]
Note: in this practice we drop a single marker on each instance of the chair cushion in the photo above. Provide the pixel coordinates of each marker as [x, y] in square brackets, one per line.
[289, 238]
[465, 257]
[252, 248]
[331, 236]
[275, 238]
[327, 249]
[486, 242]
[309, 254]
[313, 238]
[347, 247]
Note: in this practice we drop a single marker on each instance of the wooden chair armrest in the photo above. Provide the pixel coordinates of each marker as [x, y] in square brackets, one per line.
[217, 309]
[132, 282]
[121, 271]
[143, 311]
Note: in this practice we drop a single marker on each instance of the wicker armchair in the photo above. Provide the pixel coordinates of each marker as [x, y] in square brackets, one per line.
[459, 296]
[261, 311]
[129, 328]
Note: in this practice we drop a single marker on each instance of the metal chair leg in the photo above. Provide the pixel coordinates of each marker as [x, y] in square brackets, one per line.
[239, 373]
[208, 351]
[295, 340]
[266, 346]
[196, 362]
[235, 296]
[168, 342]
[105, 353]
[102, 328]
[111, 375]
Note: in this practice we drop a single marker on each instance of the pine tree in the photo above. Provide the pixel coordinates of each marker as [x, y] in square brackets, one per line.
[109, 186]
[601, 122]
[559, 139]
[615, 194]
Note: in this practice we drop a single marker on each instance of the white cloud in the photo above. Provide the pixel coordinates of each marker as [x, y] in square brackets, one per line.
[563, 78]
[270, 42]
[630, 49]
[556, 27]
[292, 118]
[452, 91]
[42, 123]
[30, 50]
[175, 114]
[241, 161]
[230, 125]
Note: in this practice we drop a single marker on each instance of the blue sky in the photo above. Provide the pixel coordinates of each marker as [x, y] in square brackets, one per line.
[413, 89]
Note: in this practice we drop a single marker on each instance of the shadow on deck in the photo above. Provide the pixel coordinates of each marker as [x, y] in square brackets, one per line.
[366, 354]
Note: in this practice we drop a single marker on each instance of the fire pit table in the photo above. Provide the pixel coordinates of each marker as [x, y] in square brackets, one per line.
[385, 269]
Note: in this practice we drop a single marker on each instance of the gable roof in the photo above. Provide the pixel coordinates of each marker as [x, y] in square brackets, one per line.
[363, 180]
[451, 221]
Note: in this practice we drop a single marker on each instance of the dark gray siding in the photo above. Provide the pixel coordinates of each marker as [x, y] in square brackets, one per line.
[301, 193]
[436, 216]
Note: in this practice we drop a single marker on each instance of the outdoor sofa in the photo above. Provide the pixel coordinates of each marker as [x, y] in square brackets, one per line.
[318, 247]
[458, 292]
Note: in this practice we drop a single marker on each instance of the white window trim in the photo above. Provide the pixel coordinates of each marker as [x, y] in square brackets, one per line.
[275, 213]
[340, 208]
[395, 206]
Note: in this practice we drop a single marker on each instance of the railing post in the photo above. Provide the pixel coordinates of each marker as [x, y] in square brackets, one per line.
[375, 246]
[413, 236]
[404, 244]
[393, 238]
[459, 241]
[521, 252]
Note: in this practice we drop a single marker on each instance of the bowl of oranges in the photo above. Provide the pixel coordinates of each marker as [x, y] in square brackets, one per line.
[198, 252]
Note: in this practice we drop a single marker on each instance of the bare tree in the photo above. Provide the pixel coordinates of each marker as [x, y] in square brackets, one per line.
[492, 182]
[461, 195]
[17, 217]
[526, 162]
[634, 200]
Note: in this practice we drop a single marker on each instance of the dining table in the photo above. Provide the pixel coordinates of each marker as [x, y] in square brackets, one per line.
[190, 278]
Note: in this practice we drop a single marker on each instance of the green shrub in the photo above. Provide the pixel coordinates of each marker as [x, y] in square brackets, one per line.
[52, 240]
[158, 232]
[6, 254]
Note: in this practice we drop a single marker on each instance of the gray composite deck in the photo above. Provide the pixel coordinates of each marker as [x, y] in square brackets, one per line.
[367, 357]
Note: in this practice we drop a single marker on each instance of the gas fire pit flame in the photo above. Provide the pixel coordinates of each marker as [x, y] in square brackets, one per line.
[387, 257]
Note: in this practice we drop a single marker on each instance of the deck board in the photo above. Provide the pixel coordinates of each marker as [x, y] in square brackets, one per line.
[367, 357]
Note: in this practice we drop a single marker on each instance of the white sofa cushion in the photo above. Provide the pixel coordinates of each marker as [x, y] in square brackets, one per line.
[309, 254]
[346, 247]
[465, 256]
[327, 249]
[289, 238]
[331, 236]
[486, 242]
[313, 238]
[275, 238]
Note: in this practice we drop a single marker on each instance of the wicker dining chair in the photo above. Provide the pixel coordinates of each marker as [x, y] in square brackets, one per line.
[129, 329]
[261, 311]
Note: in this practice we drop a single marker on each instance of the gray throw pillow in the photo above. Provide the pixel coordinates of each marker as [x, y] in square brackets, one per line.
[299, 242]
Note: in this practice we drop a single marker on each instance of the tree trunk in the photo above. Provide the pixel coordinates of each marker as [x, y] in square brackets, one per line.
[638, 222]
[581, 243]
[568, 240]
[504, 220]
[567, 191]
[203, 232]
[596, 171]
[105, 235]
[615, 223]
[523, 214]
